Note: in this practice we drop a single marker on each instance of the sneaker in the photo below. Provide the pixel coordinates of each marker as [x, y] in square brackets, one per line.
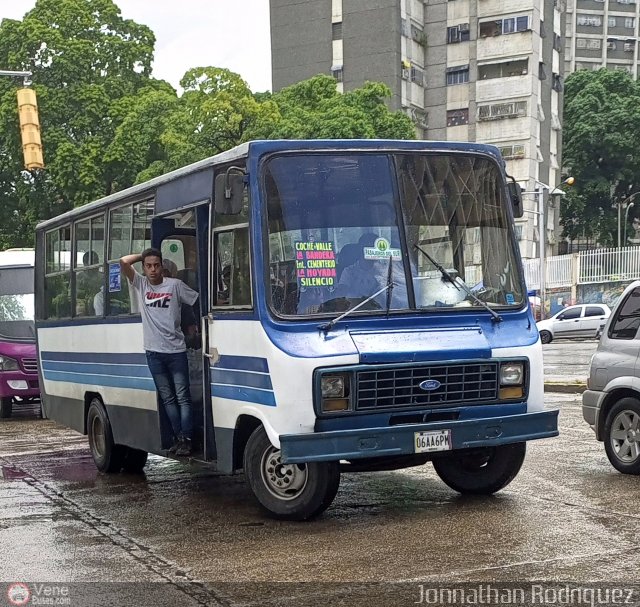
[175, 445]
[184, 448]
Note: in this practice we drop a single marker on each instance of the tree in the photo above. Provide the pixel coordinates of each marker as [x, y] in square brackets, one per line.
[91, 69]
[314, 109]
[601, 142]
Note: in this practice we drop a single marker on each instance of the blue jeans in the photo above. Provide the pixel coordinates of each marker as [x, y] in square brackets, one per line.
[171, 375]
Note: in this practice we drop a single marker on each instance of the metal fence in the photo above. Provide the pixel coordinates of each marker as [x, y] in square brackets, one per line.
[596, 266]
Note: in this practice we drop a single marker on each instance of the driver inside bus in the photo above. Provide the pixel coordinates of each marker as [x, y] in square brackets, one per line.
[365, 276]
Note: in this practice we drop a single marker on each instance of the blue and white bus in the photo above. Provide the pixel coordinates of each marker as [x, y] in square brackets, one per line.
[362, 308]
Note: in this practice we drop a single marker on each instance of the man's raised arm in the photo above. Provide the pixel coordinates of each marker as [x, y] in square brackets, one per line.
[126, 265]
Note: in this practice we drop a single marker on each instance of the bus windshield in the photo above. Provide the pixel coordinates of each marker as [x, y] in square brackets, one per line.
[16, 303]
[423, 231]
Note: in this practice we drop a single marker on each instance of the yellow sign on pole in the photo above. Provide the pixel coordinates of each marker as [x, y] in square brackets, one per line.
[30, 129]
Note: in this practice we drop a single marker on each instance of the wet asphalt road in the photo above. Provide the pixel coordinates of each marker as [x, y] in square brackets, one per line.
[568, 515]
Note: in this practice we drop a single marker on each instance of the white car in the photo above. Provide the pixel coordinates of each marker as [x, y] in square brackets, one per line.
[578, 321]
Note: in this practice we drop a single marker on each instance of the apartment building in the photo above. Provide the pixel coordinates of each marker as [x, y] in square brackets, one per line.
[602, 33]
[471, 70]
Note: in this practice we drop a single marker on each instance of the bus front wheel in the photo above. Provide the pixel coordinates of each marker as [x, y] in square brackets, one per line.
[481, 471]
[107, 456]
[294, 492]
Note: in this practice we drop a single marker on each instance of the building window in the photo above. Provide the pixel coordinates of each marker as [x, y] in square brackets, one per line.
[458, 117]
[417, 76]
[458, 33]
[510, 25]
[589, 20]
[592, 44]
[457, 75]
[503, 70]
[498, 111]
[611, 45]
[512, 151]
[336, 31]
[629, 22]
[337, 71]
[405, 28]
[629, 46]
[612, 21]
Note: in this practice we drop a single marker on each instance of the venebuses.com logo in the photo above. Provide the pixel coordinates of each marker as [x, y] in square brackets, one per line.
[18, 594]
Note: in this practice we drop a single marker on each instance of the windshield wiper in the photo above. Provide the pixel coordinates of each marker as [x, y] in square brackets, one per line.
[389, 284]
[327, 327]
[457, 284]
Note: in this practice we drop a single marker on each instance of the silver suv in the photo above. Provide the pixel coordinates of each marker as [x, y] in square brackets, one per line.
[611, 403]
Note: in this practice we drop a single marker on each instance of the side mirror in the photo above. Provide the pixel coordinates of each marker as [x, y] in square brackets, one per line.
[515, 195]
[561, 317]
[229, 193]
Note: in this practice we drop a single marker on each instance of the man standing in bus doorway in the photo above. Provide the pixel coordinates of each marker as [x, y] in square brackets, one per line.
[160, 300]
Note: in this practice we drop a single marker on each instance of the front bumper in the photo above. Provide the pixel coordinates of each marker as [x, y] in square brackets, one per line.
[17, 383]
[399, 440]
[591, 403]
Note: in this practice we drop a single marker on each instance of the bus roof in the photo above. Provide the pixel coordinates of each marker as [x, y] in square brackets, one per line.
[277, 145]
[17, 258]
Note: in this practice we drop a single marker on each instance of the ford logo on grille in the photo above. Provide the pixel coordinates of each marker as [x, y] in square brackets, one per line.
[430, 384]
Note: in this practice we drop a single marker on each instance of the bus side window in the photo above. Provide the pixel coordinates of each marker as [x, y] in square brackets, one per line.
[57, 281]
[129, 232]
[233, 277]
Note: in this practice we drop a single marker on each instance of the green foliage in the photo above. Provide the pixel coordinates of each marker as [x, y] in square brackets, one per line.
[601, 139]
[106, 124]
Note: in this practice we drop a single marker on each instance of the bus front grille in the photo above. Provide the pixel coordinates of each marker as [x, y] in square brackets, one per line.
[429, 385]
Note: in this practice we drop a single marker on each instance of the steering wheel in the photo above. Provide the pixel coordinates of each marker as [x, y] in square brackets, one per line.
[342, 304]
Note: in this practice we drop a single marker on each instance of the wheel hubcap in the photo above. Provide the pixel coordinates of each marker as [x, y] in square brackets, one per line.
[97, 434]
[625, 436]
[284, 481]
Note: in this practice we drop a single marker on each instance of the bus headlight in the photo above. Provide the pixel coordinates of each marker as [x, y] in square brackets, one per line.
[335, 391]
[332, 386]
[511, 380]
[8, 364]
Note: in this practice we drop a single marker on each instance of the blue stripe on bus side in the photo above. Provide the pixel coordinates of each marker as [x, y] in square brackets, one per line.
[243, 363]
[249, 395]
[129, 358]
[98, 369]
[136, 383]
[241, 378]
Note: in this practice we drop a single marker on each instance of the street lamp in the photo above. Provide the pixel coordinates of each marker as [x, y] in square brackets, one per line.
[543, 192]
[625, 204]
[626, 219]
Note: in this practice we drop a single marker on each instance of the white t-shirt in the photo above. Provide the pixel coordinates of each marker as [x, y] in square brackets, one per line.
[160, 308]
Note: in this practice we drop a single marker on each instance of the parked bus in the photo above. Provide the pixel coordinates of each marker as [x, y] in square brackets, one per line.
[18, 361]
[362, 308]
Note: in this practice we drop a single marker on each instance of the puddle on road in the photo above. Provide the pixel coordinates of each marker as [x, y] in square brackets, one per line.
[12, 474]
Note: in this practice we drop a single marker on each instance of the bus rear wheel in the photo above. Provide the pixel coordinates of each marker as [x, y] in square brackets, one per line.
[6, 407]
[107, 456]
[481, 471]
[295, 492]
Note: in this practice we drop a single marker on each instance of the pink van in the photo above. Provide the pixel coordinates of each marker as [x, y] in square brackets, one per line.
[18, 360]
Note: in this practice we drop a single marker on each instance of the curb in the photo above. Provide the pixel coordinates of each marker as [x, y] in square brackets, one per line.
[565, 388]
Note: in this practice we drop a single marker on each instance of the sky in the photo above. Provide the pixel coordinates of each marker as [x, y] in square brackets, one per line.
[233, 34]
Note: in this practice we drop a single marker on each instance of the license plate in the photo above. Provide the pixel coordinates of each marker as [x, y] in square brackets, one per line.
[434, 440]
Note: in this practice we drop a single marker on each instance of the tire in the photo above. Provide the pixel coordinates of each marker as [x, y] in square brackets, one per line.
[295, 492]
[481, 471]
[134, 460]
[546, 337]
[107, 456]
[622, 436]
[6, 407]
